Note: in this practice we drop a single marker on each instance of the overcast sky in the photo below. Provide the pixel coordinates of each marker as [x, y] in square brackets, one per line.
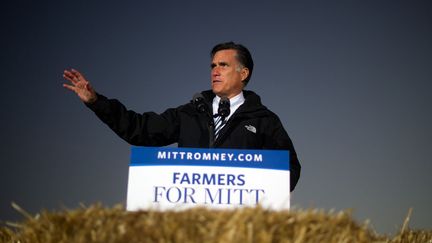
[350, 80]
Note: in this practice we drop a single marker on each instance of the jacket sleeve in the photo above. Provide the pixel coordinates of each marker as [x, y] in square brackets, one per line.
[278, 139]
[147, 129]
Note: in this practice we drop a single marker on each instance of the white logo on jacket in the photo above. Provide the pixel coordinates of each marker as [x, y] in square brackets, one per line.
[250, 128]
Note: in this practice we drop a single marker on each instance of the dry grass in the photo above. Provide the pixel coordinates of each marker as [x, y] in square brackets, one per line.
[99, 224]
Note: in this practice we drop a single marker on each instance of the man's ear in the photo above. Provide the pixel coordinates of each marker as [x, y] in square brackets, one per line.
[244, 73]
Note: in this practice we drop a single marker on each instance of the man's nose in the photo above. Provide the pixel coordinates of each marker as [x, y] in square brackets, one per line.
[215, 72]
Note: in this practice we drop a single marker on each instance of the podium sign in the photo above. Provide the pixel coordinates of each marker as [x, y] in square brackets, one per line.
[178, 178]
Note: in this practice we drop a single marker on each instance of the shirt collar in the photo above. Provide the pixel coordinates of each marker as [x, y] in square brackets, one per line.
[235, 103]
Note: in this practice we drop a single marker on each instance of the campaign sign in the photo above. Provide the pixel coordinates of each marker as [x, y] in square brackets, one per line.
[178, 178]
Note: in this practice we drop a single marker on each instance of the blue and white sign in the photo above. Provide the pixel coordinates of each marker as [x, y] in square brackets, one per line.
[178, 178]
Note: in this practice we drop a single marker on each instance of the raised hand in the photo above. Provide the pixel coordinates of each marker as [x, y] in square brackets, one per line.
[80, 86]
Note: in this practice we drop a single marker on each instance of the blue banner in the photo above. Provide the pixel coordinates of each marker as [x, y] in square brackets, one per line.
[157, 156]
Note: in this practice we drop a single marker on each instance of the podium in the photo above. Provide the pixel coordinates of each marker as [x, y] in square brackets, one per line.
[178, 178]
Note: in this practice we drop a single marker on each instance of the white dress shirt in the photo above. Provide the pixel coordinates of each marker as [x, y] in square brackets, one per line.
[235, 103]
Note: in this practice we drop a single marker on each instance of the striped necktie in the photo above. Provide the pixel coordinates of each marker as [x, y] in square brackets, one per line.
[219, 124]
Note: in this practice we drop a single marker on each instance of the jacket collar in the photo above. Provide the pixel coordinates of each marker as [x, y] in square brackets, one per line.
[252, 102]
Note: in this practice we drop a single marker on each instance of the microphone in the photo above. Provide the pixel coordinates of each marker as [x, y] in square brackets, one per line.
[199, 102]
[224, 107]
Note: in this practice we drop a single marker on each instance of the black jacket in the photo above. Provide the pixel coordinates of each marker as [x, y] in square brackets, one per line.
[189, 128]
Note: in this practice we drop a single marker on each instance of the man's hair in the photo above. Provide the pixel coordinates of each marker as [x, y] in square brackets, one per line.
[243, 56]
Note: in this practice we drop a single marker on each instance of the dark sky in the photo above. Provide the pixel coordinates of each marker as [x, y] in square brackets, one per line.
[350, 80]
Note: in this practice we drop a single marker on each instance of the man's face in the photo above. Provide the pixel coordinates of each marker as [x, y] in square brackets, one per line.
[227, 74]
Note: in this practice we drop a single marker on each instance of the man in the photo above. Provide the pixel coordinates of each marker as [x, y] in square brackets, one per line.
[247, 124]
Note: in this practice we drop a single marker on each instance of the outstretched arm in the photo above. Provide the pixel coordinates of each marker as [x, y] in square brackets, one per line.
[80, 86]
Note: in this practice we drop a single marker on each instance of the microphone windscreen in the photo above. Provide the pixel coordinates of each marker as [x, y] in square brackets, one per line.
[199, 102]
[224, 100]
[224, 107]
[197, 96]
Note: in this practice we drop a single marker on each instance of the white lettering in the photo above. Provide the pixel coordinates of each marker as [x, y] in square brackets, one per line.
[258, 158]
[206, 156]
[209, 156]
[161, 155]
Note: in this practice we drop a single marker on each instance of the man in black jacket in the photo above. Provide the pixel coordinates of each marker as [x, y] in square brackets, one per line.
[247, 124]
